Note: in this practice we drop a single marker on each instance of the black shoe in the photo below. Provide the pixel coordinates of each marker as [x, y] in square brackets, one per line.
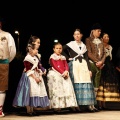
[105, 108]
[96, 110]
[57, 112]
[72, 110]
[78, 111]
[29, 114]
[35, 114]
[100, 108]
[90, 110]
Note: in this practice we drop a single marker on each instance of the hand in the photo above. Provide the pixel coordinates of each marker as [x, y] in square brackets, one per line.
[37, 80]
[41, 73]
[102, 66]
[24, 70]
[99, 63]
[44, 72]
[66, 73]
[66, 77]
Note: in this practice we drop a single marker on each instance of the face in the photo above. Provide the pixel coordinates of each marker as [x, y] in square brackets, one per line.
[96, 33]
[77, 36]
[105, 38]
[57, 49]
[34, 52]
[37, 43]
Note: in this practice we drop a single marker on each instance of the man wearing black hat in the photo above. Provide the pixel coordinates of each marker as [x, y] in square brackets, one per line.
[7, 54]
[96, 54]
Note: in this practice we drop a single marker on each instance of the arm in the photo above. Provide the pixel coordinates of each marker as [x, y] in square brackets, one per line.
[66, 73]
[87, 60]
[41, 68]
[66, 65]
[30, 72]
[28, 67]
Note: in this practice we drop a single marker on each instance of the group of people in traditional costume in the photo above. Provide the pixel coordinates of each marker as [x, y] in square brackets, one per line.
[80, 74]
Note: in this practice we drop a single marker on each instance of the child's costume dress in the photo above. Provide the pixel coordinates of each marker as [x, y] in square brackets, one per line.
[61, 91]
[29, 92]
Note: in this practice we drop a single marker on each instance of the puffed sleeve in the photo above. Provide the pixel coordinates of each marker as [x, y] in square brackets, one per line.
[28, 67]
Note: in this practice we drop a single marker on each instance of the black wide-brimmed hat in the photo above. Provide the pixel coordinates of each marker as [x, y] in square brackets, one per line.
[96, 26]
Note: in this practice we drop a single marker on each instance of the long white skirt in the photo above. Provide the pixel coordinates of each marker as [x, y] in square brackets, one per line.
[61, 91]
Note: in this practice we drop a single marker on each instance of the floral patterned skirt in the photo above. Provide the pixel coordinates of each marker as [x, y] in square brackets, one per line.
[61, 91]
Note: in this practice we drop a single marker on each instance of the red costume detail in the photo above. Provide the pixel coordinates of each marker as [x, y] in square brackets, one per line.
[59, 65]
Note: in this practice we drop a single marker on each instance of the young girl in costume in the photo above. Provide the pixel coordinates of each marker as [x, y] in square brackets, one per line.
[31, 91]
[60, 87]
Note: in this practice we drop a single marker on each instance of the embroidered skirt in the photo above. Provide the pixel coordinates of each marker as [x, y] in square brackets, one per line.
[61, 91]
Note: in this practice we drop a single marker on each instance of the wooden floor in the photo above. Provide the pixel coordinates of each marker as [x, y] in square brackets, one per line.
[102, 115]
[112, 114]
